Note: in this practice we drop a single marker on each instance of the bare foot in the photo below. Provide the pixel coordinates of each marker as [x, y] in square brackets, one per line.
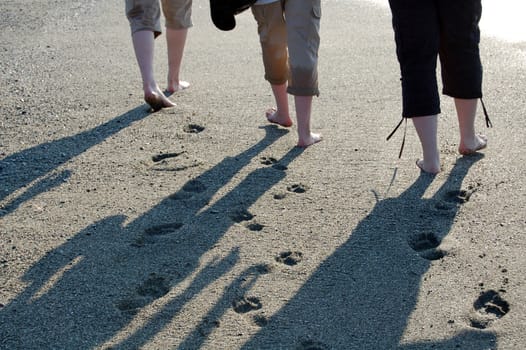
[480, 142]
[428, 168]
[172, 88]
[274, 117]
[313, 138]
[157, 101]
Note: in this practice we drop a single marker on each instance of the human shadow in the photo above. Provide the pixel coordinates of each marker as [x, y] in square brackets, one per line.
[205, 229]
[361, 296]
[21, 169]
[93, 285]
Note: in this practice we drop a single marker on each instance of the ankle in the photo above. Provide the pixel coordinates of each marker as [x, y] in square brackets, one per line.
[150, 88]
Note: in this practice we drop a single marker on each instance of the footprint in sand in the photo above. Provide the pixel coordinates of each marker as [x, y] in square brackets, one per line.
[461, 196]
[452, 199]
[426, 245]
[273, 162]
[189, 189]
[240, 216]
[165, 229]
[243, 305]
[268, 160]
[154, 287]
[489, 306]
[243, 215]
[162, 156]
[159, 230]
[297, 188]
[289, 258]
[255, 227]
[193, 128]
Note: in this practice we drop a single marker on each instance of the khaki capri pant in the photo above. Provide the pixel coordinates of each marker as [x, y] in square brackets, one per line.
[289, 36]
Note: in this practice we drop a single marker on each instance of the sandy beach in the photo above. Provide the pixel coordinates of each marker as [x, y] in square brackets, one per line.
[203, 227]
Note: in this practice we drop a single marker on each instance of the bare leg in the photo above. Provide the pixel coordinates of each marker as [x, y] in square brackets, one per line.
[280, 115]
[426, 128]
[175, 39]
[143, 44]
[470, 142]
[303, 113]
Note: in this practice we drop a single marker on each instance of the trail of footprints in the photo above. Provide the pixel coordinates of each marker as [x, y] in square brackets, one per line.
[488, 307]
[250, 304]
[156, 286]
[427, 244]
[195, 186]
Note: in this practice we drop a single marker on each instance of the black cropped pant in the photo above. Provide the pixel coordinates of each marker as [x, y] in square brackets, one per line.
[425, 29]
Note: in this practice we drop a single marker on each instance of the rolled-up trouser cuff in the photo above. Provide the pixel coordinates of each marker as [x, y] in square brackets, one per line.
[144, 15]
[303, 91]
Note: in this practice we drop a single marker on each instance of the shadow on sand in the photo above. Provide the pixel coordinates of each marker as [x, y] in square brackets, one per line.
[86, 291]
[21, 169]
[369, 286]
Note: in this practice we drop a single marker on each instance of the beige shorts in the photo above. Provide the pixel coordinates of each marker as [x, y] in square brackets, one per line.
[273, 38]
[146, 14]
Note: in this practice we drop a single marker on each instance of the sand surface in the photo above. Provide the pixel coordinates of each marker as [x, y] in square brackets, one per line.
[203, 227]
